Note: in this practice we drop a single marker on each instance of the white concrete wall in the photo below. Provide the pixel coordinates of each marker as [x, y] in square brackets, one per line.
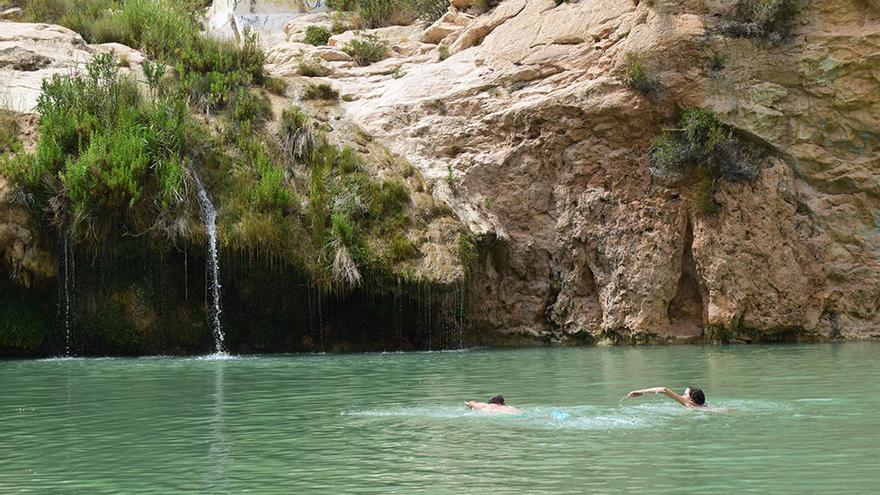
[266, 17]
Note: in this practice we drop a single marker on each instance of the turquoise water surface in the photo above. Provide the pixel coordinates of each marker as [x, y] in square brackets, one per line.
[795, 419]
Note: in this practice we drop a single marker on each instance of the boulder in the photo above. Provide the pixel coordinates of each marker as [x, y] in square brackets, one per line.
[450, 23]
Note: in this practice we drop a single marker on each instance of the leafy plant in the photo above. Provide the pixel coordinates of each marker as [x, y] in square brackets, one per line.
[317, 35]
[703, 150]
[206, 69]
[105, 149]
[321, 91]
[638, 76]
[769, 19]
[9, 131]
[248, 111]
[312, 66]
[153, 73]
[442, 52]
[430, 11]
[276, 85]
[366, 49]
[295, 134]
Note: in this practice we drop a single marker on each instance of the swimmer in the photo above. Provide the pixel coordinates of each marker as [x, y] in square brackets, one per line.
[692, 396]
[495, 405]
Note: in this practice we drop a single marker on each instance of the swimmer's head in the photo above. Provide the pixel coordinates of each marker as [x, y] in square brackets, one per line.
[695, 395]
[496, 399]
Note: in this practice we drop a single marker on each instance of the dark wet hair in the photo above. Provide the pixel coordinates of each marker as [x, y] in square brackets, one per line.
[496, 399]
[697, 396]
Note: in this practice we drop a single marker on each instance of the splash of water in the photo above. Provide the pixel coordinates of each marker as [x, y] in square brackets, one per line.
[209, 217]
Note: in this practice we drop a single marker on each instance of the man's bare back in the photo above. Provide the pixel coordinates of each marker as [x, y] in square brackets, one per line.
[495, 405]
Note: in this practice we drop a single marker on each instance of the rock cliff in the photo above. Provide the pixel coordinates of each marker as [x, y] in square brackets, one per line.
[531, 132]
[522, 120]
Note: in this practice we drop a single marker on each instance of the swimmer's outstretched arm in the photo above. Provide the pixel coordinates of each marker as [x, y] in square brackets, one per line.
[660, 390]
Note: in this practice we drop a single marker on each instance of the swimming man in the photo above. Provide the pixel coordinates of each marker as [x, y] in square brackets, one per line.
[495, 405]
[692, 396]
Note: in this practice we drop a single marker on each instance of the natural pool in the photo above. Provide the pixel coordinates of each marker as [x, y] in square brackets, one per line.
[801, 419]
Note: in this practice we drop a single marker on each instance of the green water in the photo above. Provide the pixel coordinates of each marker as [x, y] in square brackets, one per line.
[800, 419]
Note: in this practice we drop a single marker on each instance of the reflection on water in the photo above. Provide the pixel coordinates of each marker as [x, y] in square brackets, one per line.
[221, 447]
[787, 419]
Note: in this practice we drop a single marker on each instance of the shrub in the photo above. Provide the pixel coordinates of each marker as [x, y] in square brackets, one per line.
[442, 52]
[82, 16]
[430, 11]
[317, 35]
[467, 250]
[322, 91]
[348, 160]
[110, 149]
[378, 13]
[276, 86]
[269, 192]
[313, 66]
[703, 150]
[638, 76]
[394, 197]
[207, 69]
[249, 110]
[295, 135]
[366, 49]
[9, 130]
[402, 248]
[769, 19]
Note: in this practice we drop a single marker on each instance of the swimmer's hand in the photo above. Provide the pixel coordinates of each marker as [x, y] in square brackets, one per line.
[634, 393]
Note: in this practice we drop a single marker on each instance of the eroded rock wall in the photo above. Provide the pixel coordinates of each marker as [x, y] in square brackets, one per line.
[530, 133]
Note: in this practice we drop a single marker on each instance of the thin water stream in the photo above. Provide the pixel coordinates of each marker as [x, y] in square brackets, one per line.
[209, 216]
[800, 419]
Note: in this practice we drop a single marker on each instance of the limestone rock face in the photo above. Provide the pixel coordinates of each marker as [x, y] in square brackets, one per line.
[532, 136]
[450, 23]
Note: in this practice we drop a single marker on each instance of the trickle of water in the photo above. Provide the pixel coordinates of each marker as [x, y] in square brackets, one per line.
[209, 217]
[66, 262]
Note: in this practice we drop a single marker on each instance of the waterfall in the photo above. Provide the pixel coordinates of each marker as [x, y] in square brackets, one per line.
[209, 216]
[65, 261]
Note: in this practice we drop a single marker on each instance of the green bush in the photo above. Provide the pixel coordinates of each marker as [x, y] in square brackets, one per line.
[110, 149]
[769, 19]
[9, 131]
[269, 192]
[402, 248]
[276, 86]
[295, 134]
[703, 150]
[317, 35]
[378, 13]
[638, 76]
[430, 11]
[348, 160]
[366, 49]
[467, 250]
[442, 52]
[321, 91]
[82, 16]
[313, 66]
[207, 69]
[248, 111]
